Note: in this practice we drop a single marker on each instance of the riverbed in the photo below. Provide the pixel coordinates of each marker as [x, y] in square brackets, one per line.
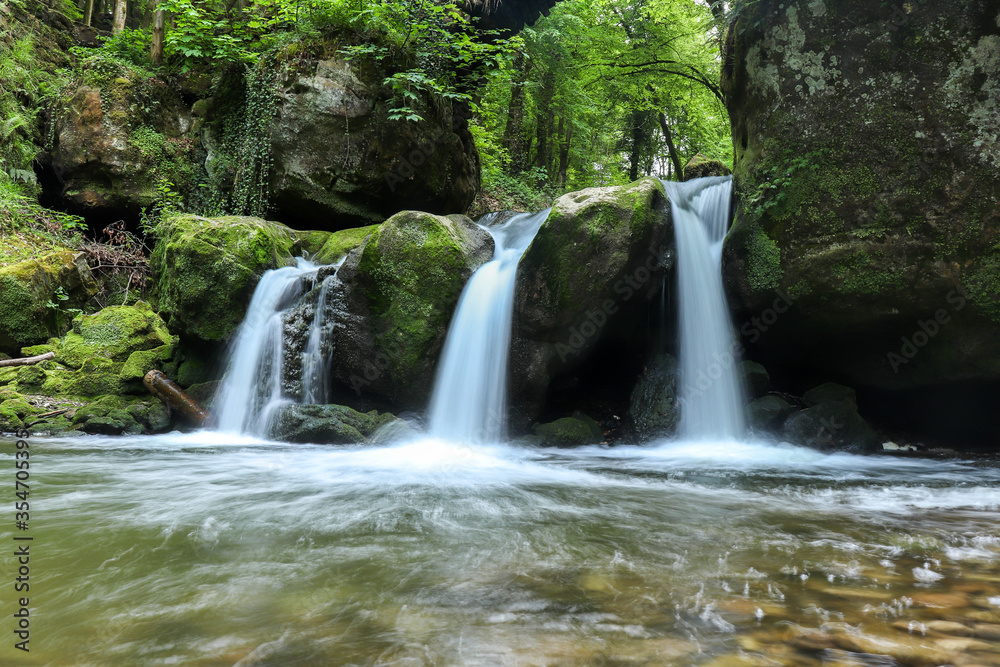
[207, 549]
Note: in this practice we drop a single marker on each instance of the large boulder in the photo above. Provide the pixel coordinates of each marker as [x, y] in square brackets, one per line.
[205, 270]
[585, 279]
[867, 147]
[36, 295]
[393, 300]
[340, 160]
[108, 352]
[118, 133]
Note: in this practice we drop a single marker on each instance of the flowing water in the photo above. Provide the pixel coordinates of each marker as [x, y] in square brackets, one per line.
[710, 394]
[469, 403]
[252, 389]
[210, 549]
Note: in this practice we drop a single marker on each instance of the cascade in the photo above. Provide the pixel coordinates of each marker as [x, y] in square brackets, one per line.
[711, 393]
[469, 402]
[251, 390]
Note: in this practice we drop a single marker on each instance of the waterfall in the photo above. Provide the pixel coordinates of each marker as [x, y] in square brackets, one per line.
[711, 393]
[469, 403]
[252, 388]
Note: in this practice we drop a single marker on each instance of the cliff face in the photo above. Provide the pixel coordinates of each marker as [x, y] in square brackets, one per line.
[868, 143]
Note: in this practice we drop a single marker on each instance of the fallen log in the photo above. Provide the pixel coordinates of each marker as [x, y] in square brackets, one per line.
[27, 361]
[173, 396]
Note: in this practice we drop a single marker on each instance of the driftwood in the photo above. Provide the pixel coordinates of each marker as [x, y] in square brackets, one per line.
[27, 361]
[169, 392]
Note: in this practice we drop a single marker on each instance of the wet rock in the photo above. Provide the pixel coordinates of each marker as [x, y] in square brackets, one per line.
[831, 426]
[116, 415]
[654, 408]
[830, 393]
[572, 431]
[767, 413]
[327, 424]
[700, 166]
[756, 380]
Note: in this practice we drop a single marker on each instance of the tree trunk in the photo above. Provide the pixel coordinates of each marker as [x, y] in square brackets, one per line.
[118, 20]
[169, 392]
[638, 139]
[513, 135]
[567, 136]
[88, 12]
[159, 22]
[27, 361]
[545, 116]
[675, 159]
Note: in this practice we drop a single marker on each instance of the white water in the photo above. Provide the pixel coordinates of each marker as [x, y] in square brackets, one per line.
[469, 403]
[251, 390]
[213, 549]
[711, 395]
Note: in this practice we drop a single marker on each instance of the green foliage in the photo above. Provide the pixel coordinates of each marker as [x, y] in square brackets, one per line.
[20, 83]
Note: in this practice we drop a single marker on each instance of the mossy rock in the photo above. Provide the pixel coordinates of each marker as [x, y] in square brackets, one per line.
[830, 392]
[701, 166]
[14, 412]
[116, 333]
[338, 244]
[96, 377]
[60, 278]
[398, 293]
[835, 426]
[116, 415]
[327, 424]
[574, 431]
[586, 279]
[205, 270]
[866, 189]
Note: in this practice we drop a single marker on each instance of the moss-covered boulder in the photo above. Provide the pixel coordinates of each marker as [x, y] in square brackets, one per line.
[116, 415]
[575, 431]
[767, 413]
[654, 409]
[327, 424]
[701, 166]
[35, 295]
[340, 161]
[867, 146]
[584, 280]
[108, 352]
[118, 132]
[205, 270]
[393, 300]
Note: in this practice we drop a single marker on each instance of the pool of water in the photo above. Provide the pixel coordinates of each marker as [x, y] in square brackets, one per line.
[204, 549]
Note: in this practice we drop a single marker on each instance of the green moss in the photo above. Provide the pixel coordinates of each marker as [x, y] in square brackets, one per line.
[205, 269]
[414, 265]
[340, 243]
[570, 432]
[982, 286]
[141, 362]
[114, 333]
[13, 413]
[763, 261]
[96, 377]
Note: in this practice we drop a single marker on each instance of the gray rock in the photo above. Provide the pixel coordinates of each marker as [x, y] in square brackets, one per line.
[831, 426]
[766, 413]
[654, 407]
[326, 424]
[756, 380]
